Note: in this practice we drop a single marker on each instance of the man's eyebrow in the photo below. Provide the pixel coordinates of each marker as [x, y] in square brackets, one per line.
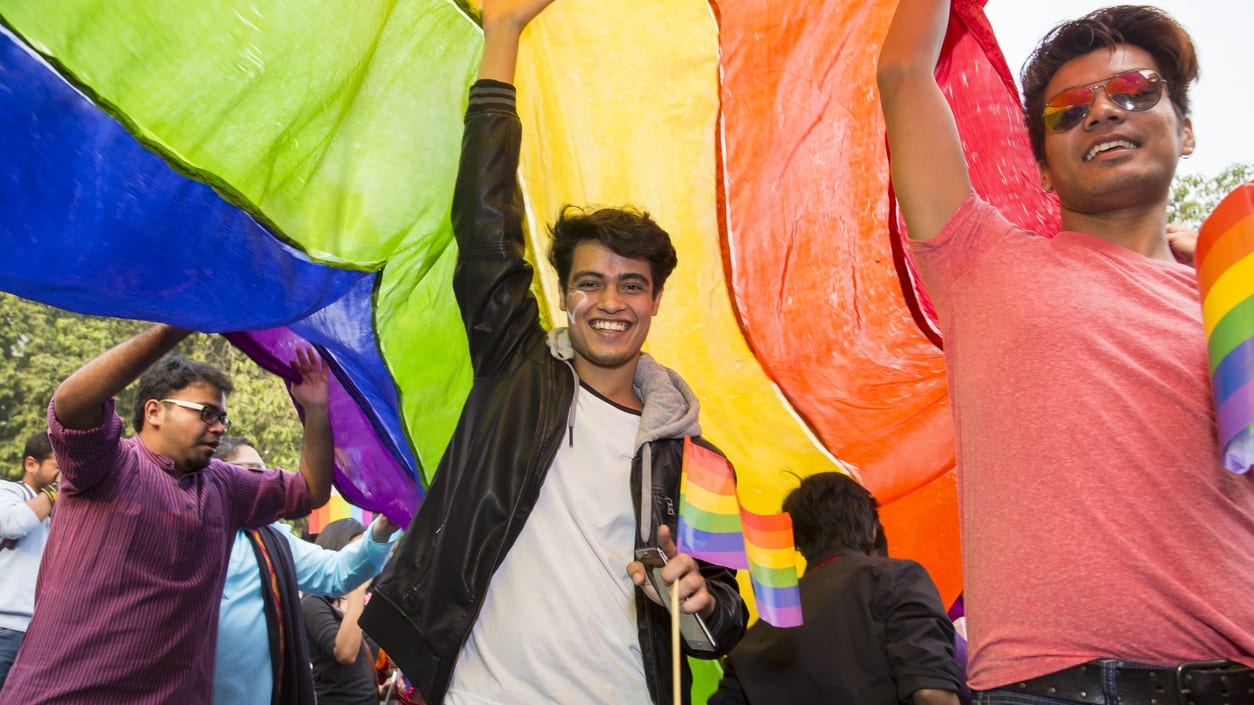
[587, 273]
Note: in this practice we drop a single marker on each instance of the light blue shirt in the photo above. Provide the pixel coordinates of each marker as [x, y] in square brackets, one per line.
[19, 565]
[241, 671]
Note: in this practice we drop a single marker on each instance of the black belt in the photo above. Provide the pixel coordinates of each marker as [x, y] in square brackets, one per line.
[1191, 683]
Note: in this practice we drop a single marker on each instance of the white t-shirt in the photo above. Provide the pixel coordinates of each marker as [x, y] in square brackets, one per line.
[558, 624]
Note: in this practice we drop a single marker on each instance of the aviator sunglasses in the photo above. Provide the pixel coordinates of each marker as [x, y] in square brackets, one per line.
[1138, 89]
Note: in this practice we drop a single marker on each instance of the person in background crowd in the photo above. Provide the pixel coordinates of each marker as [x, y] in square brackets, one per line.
[25, 515]
[260, 620]
[875, 630]
[132, 577]
[343, 664]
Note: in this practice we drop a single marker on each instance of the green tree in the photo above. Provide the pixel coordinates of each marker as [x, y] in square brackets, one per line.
[1193, 197]
[41, 345]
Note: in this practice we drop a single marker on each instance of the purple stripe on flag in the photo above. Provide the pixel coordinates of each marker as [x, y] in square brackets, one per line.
[782, 618]
[1236, 414]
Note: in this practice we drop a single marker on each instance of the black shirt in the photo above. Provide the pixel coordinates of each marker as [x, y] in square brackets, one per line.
[336, 683]
[874, 632]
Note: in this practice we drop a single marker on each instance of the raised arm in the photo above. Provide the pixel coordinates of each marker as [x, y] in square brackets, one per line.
[317, 455]
[928, 167]
[78, 402]
[503, 23]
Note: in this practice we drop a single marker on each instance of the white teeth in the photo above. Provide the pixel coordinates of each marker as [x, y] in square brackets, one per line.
[1103, 146]
[610, 325]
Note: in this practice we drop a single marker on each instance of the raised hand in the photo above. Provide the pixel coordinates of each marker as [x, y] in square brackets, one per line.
[511, 14]
[503, 22]
[383, 529]
[313, 387]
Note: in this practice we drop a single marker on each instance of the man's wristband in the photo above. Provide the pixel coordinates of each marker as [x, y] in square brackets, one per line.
[51, 493]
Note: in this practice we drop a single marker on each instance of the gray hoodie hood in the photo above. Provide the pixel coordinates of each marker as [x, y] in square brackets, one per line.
[671, 409]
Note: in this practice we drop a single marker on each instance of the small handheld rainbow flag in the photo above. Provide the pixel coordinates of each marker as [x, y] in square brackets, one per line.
[336, 508]
[714, 527]
[1225, 275]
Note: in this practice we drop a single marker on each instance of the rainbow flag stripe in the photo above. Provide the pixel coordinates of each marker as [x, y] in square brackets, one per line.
[714, 527]
[1225, 263]
[337, 508]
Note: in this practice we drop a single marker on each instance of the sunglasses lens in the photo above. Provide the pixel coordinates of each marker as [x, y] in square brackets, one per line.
[1067, 109]
[1135, 90]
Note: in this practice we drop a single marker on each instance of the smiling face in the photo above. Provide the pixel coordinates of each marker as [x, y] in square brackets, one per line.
[179, 432]
[609, 302]
[1115, 158]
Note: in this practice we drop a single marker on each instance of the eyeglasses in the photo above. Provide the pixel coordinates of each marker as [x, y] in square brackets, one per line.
[208, 414]
[1139, 89]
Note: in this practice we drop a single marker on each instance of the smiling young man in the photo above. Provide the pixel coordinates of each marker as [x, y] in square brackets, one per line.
[132, 576]
[516, 582]
[1106, 551]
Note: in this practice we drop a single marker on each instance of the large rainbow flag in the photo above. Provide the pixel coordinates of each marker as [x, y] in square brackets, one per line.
[283, 171]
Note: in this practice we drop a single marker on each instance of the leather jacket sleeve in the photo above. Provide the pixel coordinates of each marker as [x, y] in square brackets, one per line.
[492, 280]
[730, 617]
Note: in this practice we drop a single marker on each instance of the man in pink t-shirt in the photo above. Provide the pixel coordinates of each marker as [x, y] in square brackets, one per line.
[1105, 548]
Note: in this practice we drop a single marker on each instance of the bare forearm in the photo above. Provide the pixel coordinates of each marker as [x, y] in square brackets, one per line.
[317, 455]
[41, 505]
[931, 696]
[915, 36]
[348, 638]
[500, 51]
[928, 167]
[79, 398]
[503, 23]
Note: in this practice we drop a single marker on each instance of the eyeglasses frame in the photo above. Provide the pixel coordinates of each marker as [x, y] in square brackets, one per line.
[217, 415]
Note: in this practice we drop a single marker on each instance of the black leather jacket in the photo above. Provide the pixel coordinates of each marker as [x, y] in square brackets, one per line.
[428, 597]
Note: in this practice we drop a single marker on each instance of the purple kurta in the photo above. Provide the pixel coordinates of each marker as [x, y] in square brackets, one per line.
[129, 590]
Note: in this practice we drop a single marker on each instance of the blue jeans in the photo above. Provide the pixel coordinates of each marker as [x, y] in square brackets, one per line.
[10, 640]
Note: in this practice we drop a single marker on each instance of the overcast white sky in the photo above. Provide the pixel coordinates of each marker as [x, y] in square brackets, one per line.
[1223, 98]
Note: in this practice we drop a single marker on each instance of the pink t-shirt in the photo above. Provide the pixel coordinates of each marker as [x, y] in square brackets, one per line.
[1096, 519]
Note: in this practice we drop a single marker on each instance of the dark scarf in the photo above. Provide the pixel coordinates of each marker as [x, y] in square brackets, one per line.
[289, 649]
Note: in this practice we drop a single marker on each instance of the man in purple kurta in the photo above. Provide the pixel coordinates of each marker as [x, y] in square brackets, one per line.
[129, 589]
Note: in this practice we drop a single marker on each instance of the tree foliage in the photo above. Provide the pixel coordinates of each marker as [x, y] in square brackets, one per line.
[1193, 197]
[41, 345]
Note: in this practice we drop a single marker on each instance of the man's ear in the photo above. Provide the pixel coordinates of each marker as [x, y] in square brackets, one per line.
[561, 300]
[1187, 144]
[152, 413]
[1046, 186]
[29, 464]
[657, 300]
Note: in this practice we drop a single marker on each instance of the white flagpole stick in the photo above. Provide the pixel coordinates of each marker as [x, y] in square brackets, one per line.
[675, 654]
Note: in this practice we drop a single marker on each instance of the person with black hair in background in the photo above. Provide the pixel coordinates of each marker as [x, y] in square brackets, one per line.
[25, 517]
[343, 666]
[875, 630]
